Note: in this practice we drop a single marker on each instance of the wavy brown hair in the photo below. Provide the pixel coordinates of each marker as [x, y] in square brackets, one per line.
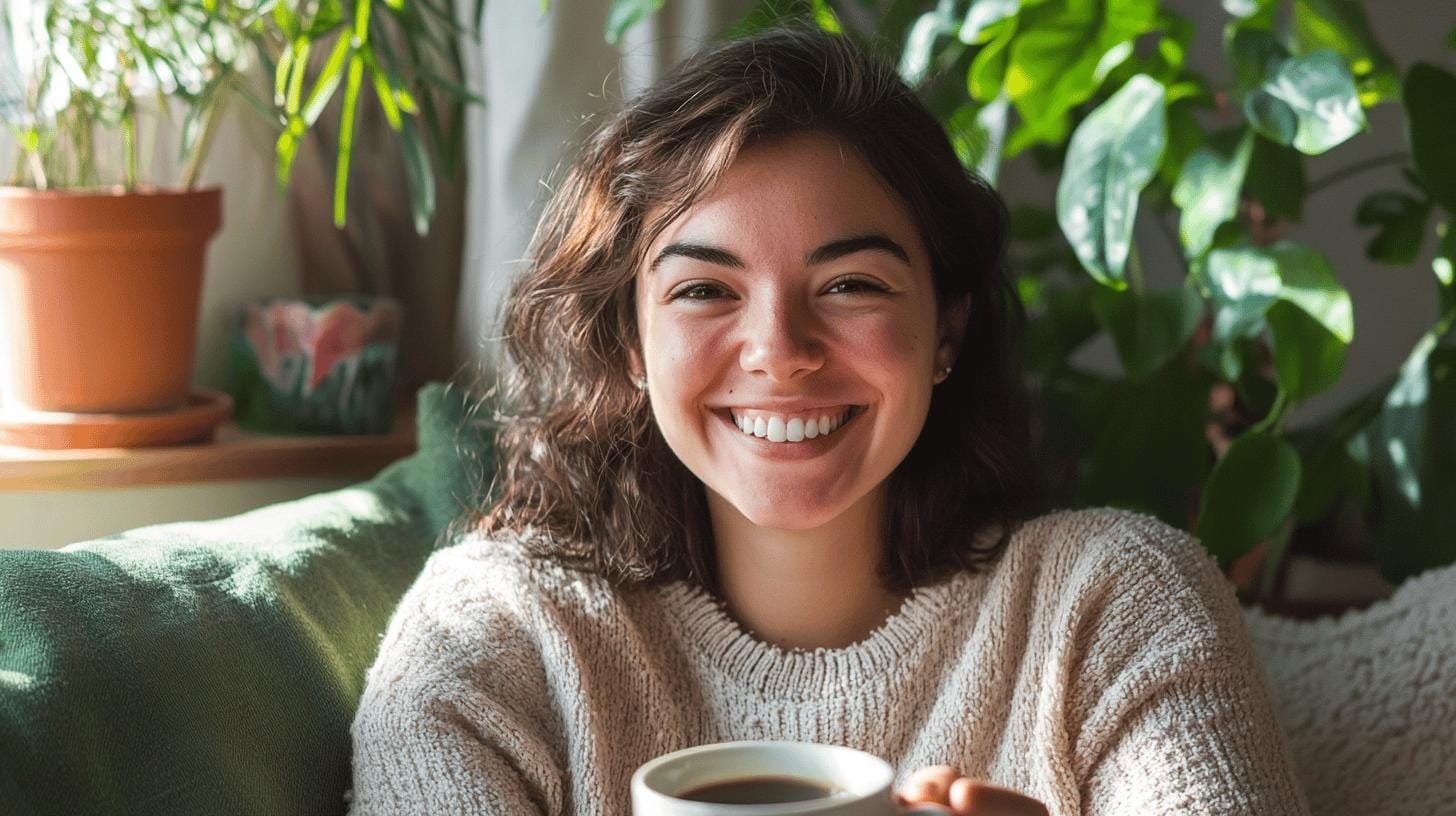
[583, 475]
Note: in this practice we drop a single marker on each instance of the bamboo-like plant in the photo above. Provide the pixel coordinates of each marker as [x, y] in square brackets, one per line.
[1195, 431]
[79, 74]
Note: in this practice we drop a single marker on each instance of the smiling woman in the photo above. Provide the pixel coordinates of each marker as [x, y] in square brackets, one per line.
[764, 473]
[795, 200]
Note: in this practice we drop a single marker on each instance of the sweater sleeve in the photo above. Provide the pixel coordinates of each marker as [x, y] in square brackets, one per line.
[455, 716]
[1177, 717]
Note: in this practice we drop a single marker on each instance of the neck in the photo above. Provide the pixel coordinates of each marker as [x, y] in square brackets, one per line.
[803, 589]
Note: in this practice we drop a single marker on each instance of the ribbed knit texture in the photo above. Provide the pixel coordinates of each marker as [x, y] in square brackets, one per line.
[1101, 665]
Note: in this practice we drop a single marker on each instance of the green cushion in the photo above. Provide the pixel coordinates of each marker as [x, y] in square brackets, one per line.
[214, 667]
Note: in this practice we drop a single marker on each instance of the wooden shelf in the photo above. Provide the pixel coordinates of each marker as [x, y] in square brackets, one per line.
[233, 453]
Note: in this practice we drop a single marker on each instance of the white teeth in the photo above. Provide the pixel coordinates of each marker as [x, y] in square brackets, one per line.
[777, 429]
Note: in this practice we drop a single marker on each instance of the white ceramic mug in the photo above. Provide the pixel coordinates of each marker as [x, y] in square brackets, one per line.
[862, 781]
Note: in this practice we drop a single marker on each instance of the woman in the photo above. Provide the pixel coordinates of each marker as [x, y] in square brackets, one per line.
[765, 474]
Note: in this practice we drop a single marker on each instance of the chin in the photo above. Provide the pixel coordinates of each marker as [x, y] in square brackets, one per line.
[790, 515]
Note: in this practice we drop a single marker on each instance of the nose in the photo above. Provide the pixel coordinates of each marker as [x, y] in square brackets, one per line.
[780, 340]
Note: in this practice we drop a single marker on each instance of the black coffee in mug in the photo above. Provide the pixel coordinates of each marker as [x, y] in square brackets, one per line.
[760, 790]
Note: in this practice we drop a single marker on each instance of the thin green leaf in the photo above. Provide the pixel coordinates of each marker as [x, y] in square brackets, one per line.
[328, 81]
[1148, 329]
[383, 91]
[626, 13]
[295, 83]
[420, 177]
[346, 138]
[362, 11]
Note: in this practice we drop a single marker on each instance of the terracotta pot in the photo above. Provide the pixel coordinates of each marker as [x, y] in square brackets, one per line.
[102, 292]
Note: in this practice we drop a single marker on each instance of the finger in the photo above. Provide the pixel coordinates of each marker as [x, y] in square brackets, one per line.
[972, 797]
[930, 784]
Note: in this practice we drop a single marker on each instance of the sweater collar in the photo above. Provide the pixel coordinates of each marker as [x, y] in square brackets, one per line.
[720, 646]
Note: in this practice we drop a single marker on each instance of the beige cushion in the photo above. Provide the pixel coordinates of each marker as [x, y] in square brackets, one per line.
[1368, 700]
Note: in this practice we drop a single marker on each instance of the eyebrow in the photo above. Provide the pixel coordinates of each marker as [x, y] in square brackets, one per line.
[824, 254]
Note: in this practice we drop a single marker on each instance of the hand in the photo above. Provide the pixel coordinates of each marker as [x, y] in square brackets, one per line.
[943, 785]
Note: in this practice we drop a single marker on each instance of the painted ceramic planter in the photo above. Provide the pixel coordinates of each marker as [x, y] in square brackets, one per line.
[312, 366]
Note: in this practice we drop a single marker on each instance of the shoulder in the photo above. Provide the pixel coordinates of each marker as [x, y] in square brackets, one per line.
[1111, 537]
[1129, 570]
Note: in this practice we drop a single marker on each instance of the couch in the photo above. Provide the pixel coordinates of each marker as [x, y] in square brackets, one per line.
[214, 667]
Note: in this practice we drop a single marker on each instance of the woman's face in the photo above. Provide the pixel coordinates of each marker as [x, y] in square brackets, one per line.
[797, 290]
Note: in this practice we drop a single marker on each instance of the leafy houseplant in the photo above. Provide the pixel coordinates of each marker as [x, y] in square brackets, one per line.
[1101, 95]
[76, 79]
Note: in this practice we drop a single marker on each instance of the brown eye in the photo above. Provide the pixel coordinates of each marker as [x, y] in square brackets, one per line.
[854, 285]
[697, 291]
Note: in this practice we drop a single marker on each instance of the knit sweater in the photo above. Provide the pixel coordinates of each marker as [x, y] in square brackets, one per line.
[1101, 664]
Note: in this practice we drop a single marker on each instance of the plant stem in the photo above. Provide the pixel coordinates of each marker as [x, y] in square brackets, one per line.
[204, 141]
[1276, 413]
[1274, 558]
[1355, 169]
[129, 146]
[1135, 269]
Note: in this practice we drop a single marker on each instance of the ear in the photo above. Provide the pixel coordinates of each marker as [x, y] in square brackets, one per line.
[952, 330]
[635, 368]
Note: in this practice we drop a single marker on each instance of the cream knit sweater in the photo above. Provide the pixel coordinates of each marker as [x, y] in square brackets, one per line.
[1101, 665]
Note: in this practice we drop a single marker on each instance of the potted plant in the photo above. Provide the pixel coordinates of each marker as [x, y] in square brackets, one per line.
[1100, 97]
[102, 265]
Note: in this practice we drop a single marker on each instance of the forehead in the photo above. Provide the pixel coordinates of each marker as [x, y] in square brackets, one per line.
[791, 194]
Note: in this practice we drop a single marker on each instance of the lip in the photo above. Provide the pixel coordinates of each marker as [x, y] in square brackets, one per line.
[790, 451]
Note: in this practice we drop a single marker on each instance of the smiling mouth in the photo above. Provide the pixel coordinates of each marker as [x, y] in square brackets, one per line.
[794, 432]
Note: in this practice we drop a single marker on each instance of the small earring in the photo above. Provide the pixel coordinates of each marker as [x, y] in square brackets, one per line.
[941, 375]
[641, 383]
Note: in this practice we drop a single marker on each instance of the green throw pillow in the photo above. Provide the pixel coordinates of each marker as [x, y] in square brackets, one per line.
[214, 667]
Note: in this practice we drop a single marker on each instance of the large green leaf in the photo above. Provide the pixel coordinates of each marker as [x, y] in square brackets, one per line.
[1340, 25]
[1208, 189]
[1276, 179]
[1254, 54]
[1113, 155]
[1249, 494]
[925, 34]
[1054, 60]
[1311, 325]
[1244, 283]
[1310, 284]
[1150, 452]
[1147, 328]
[1411, 452]
[1308, 357]
[988, 70]
[1430, 103]
[981, 14]
[977, 134]
[1318, 92]
[1401, 219]
[1444, 265]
